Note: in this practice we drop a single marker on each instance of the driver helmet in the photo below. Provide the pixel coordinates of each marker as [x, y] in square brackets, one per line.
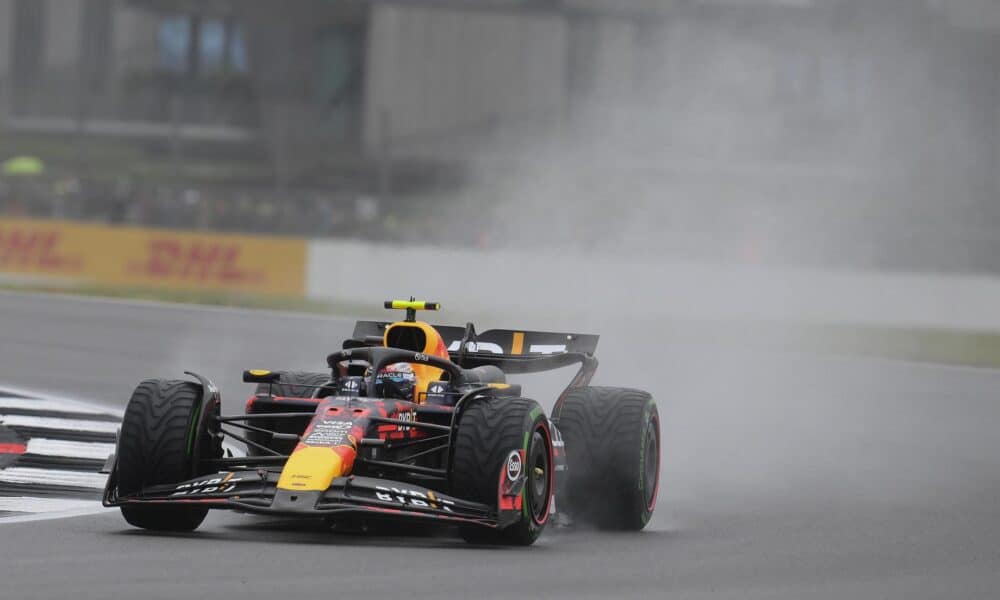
[396, 381]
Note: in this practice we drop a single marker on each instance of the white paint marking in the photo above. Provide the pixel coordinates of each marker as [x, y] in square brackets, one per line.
[53, 405]
[34, 395]
[33, 476]
[27, 504]
[47, 447]
[56, 423]
[93, 509]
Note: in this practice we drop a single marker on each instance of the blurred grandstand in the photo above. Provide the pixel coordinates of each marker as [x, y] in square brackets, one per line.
[856, 133]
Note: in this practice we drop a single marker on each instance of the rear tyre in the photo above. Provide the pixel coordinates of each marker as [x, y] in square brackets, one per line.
[488, 430]
[291, 384]
[156, 446]
[612, 441]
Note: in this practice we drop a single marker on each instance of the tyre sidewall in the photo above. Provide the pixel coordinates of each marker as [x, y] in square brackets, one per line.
[650, 421]
[538, 423]
[528, 529]
[490, 471]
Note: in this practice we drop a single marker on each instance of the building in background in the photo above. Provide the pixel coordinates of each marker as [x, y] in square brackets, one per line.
[430, 78]
[748, 104]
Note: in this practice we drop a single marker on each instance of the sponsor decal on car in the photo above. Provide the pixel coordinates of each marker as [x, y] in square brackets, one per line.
[329, 432]
[514, 465]
[493, 348]
[407, 415]
[351, 386]
[215, 485]
[408, 497]
[476, 347]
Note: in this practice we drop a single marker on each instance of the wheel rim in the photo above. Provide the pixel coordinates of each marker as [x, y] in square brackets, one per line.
[651, 464]
[538, 478]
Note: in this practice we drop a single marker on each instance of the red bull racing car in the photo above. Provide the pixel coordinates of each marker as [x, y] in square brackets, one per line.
[411, 421]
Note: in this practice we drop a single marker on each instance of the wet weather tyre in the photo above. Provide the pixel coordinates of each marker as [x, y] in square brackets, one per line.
[488, 431]
[156, 447]
[612, 443]
[291, 384]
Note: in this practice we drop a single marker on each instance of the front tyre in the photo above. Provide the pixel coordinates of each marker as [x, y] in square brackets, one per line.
[156, 446]
[612, 441]
[489, 431]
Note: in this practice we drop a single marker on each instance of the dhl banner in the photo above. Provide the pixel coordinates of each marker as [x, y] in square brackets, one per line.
[139, 257]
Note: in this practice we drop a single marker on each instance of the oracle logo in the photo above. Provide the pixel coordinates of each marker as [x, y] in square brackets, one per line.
[37, 250]
[195, 261]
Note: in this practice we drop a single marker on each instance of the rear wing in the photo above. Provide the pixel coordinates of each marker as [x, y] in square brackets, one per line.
[514, 352]
[495, 342]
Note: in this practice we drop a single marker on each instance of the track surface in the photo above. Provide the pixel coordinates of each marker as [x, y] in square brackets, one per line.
[784, 477]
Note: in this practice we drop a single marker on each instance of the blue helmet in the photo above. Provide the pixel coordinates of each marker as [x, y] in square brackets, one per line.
[396, 381]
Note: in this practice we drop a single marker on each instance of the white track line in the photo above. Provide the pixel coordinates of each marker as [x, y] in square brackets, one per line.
[185, 306]
[27, 504]
[35, 395]
[57, 423]
[92, 509]
[47, 447]
[53, 405]
[53, 477]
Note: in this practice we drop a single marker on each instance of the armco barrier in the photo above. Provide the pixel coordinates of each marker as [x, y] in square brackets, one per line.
[139, 257]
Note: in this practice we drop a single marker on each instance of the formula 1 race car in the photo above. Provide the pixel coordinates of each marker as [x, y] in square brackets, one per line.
[412, 421]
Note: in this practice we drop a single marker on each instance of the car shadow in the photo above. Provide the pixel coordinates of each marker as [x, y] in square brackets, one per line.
[388, 535]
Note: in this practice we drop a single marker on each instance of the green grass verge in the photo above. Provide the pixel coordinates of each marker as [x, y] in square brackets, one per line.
[921, 344]
[945, 346]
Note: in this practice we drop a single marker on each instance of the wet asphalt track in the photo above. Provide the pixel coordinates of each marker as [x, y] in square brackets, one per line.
[784, 477]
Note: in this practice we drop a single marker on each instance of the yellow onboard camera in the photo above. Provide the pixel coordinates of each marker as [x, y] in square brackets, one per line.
[411, 307]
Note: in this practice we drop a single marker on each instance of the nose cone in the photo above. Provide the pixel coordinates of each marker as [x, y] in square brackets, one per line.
[313, 468]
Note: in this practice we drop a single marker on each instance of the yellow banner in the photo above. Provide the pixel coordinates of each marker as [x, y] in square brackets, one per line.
[139, 257]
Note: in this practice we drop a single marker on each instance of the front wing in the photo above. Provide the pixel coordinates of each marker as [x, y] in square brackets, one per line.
[352, 496]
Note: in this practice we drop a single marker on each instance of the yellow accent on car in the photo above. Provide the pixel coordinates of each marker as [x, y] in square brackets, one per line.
[260, 372]
[312, 468]
[433, 346]
[499, 386]
[413, 305]
[518, 346]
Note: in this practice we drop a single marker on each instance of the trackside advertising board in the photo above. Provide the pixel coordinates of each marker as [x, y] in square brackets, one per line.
[140, 257]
